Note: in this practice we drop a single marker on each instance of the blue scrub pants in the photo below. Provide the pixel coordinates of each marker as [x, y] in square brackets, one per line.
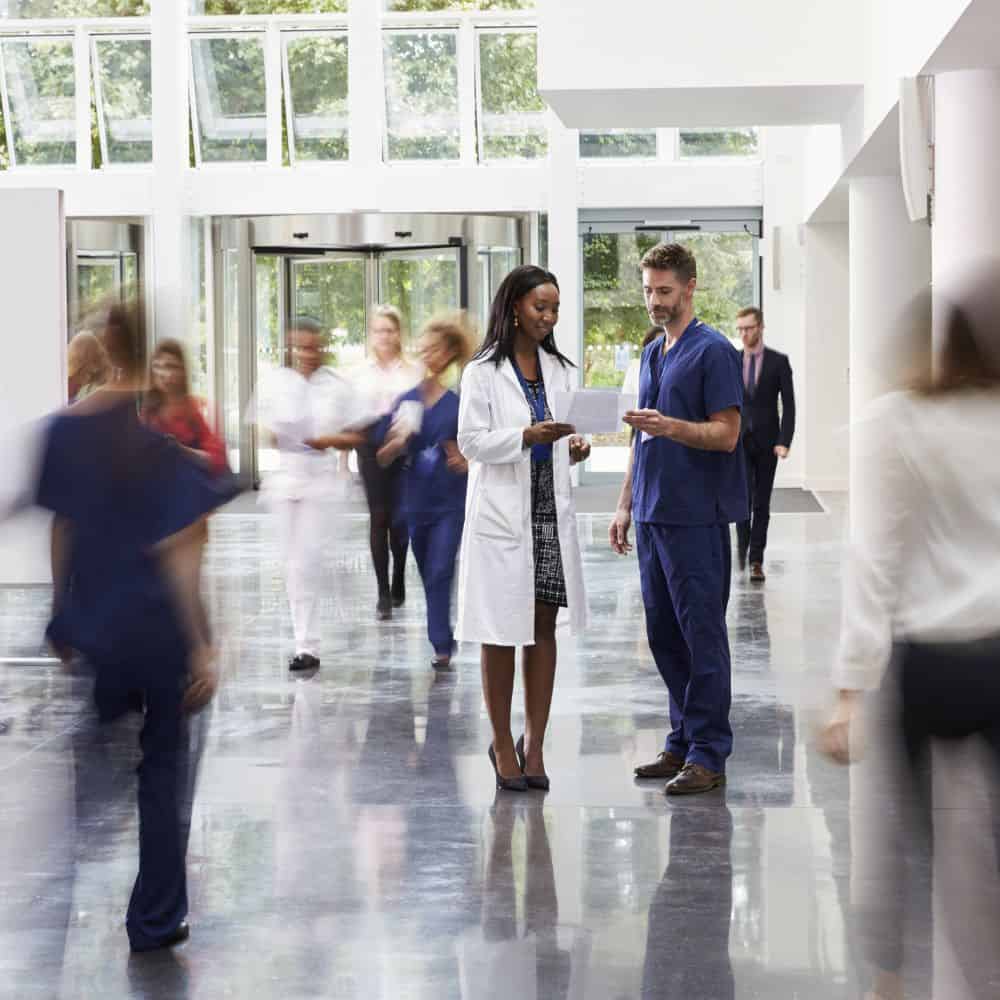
[435, 545]
[685, 571]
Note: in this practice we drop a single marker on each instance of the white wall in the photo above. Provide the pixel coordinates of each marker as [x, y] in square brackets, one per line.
[827, 336]
[33, 379]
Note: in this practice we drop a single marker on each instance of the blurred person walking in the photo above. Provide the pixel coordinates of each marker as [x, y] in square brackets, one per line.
[87, 366]
[384, 377]
[766, 434]
[308, 410]
[423, 426]
[520, 560]
[685, 484]
[917, 669]
[127, 504]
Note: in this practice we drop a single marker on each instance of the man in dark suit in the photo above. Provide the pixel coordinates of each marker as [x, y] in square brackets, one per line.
[767, 435]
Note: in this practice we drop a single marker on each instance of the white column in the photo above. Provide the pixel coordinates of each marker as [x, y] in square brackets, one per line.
[168, 247]
[890, 269]
[966, 194]
[564, 243]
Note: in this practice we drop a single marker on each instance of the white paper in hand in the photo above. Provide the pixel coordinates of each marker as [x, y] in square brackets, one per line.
[409, 417]
[590, 411]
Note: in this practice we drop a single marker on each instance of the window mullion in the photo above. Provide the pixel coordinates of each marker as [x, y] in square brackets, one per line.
[467, 91]
[81, 63]
[272, 92]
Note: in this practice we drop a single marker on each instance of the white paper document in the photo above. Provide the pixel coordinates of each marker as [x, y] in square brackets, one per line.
[592, 411]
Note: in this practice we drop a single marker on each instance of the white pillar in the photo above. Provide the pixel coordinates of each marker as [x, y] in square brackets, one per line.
[564, 242]
[966, 194]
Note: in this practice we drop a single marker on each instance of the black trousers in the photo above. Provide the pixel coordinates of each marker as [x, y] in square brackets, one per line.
[762, 464]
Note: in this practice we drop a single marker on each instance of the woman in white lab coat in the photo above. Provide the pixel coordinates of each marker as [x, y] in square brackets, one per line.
[520, 557]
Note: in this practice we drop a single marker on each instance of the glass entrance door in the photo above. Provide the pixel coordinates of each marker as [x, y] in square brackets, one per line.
[615, 321]
[420, 283]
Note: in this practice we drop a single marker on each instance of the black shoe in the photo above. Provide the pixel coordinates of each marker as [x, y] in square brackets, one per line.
[757, 573]
[180, 935]
[540, 781]
[303, 661]
[383, 610]
[519, 784]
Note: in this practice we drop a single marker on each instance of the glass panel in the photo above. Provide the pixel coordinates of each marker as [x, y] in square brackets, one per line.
[404, 5]
[125, 89]
[73, 8]
[332, 291]
[231, 99]
[232, 418]
[719, 142]
[270, 338]
[97, 280]
[511, 114]
[200, 335]
[41, 91]
[419, 283]
[317, 96]
[495, 263]
[726, 267]
[222, 8]
[421, 95]
[618, 143]
[4, 156]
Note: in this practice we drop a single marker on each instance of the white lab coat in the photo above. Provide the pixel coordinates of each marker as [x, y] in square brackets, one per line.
[496, 577]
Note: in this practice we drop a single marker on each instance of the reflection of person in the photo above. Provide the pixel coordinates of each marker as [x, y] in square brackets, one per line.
[309, 410]
[920, 645]
[521, 557]
[86, 365]
[127, 503]
[434, 478]
[686, 483]
[382, 379]
[767, 375]
[687, 935]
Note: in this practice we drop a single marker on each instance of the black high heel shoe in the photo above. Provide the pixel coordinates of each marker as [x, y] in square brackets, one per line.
[539, 781]
[506, 784]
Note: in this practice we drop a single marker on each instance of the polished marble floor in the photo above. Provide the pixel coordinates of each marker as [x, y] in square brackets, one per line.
[347, 840]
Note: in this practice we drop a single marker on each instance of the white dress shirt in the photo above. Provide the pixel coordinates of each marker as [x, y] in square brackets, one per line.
[382, 385]
[925, 554]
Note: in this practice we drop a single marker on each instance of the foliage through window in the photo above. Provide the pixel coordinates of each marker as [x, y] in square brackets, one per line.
[719, 142]
[40, 84]
[618, 144]
[421, 95]
[238, 8]
[452, 5]
[316, 95]
[43, 9]
[123, 74]
[230, 97]
[512, 116]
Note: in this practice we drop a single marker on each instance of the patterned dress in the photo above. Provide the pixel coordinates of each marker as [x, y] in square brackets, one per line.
[550, 584]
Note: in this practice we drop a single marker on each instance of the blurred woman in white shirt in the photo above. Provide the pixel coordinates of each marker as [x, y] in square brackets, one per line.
[384, 377]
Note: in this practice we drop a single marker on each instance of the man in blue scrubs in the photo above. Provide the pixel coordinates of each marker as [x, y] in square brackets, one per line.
[686, 484]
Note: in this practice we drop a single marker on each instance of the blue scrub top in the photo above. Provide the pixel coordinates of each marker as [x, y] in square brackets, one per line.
[123, 488]
[672, 483]
[430, 488]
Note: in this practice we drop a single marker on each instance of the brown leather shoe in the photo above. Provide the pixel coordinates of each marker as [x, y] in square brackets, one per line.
[757, 573]
[667, 765]
[694, 778]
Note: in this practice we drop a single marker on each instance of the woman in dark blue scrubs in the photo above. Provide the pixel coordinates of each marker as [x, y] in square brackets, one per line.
[423, 424]
[128, 505]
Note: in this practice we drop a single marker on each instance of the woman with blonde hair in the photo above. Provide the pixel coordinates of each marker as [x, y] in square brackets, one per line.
[86, 365]
[423, 426]
[385, 376]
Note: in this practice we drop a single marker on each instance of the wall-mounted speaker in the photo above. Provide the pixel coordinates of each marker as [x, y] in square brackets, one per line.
[916, 144]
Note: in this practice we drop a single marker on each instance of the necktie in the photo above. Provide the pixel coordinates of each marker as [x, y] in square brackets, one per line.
[752, 376]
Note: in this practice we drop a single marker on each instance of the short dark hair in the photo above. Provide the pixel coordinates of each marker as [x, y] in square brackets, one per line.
[758, 314]
[671, 257]
[307, 324]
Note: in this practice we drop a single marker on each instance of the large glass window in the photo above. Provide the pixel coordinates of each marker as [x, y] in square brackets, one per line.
[236, 8]
[619, 143]
[42, 9]
[123, 87]
[406, 5]
[419, 283]
[39, 100]
[230, 99]
[718, 142]
[421, 95]
[512, 122]
[316, 95]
